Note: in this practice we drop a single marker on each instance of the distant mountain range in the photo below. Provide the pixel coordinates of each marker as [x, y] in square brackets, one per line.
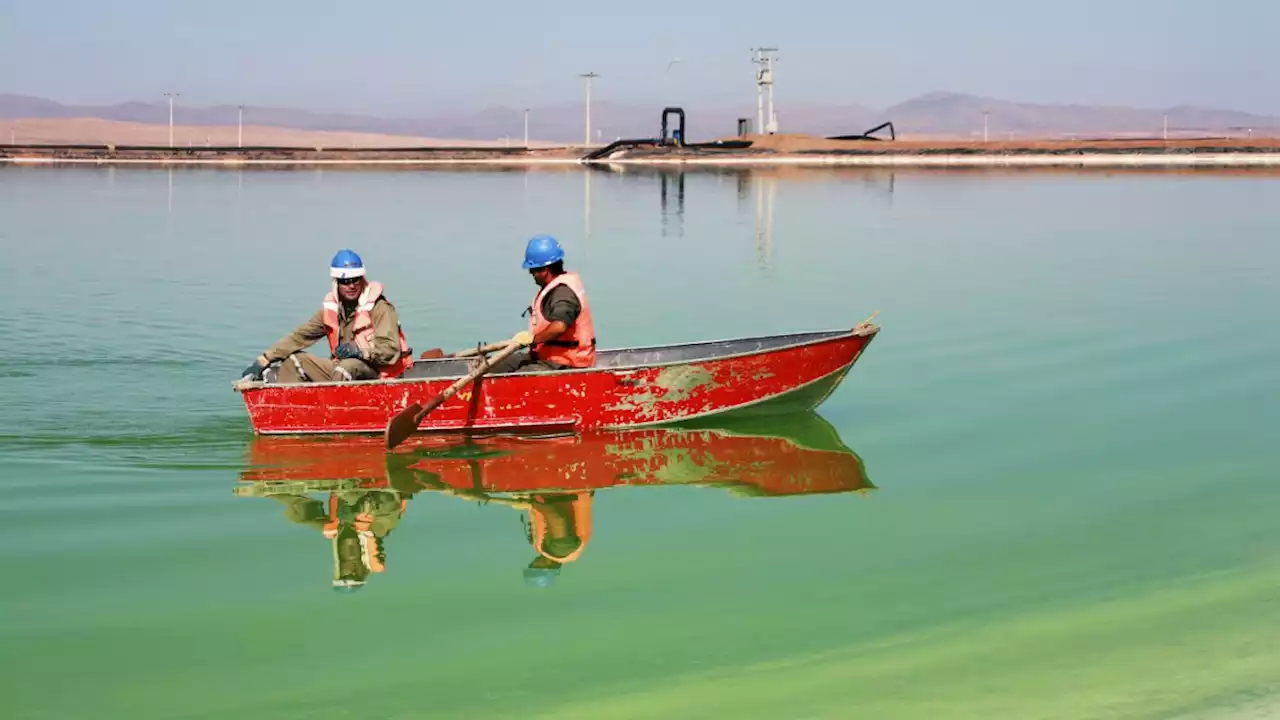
[935, 114]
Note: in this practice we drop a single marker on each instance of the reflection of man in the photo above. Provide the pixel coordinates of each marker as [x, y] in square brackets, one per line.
[558, 526]
[357, 523]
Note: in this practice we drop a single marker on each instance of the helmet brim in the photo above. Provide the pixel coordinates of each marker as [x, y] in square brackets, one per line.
[546, 262]
[344, 273]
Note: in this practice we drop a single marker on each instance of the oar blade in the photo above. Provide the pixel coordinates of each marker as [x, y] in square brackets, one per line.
[402, 425]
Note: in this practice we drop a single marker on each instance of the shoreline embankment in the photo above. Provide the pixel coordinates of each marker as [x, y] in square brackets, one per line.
[751, 150]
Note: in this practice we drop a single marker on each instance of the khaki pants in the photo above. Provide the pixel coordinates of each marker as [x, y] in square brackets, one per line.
[305, 367]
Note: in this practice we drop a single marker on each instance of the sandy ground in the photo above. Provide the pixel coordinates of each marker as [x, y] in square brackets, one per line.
[92, 131]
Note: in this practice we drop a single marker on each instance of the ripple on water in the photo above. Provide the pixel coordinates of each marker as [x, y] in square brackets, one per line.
[215, 443]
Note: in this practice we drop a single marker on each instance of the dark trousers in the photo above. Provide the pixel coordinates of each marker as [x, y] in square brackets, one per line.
[523, 361]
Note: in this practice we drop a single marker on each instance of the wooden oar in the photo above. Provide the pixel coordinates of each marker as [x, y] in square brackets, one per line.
[483, 350]
[406, 422]
[437, 353]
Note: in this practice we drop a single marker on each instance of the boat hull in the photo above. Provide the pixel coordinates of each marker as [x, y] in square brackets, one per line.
[779, 377]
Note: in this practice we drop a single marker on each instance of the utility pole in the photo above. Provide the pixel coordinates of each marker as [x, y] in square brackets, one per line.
[588, 77]
[984, 125]
[1166, 126]
[526, 128]
[171, 96]
[240, 127]
[765, 58]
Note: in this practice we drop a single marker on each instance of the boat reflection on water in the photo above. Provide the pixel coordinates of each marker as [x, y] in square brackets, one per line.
[355, 493]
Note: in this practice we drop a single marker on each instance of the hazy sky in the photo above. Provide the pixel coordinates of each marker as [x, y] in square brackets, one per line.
[408, 57]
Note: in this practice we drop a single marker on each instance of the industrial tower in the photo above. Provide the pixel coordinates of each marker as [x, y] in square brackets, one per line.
[765, 58]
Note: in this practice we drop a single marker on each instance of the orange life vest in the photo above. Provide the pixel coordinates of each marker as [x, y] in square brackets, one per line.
[581, 524]
[576, 347]
[362, 328]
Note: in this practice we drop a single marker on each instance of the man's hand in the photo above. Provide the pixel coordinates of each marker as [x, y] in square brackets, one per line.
[347, 351]
[522, 338]
[553, 331]
[254, 371]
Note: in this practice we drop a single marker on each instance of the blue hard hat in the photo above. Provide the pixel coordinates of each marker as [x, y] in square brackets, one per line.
[346, 264]
[540, 577]
[542, 251]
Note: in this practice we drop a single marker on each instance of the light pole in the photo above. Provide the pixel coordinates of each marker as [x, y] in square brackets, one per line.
[171, 96]
[240, 127]
[984, 126]
[588, 77]
[526, 128]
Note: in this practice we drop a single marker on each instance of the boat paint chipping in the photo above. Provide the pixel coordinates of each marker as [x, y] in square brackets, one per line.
[578, 400]
[671, 387]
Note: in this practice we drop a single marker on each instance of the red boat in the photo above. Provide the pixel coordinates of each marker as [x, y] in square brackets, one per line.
[801, 456]
[628, 388]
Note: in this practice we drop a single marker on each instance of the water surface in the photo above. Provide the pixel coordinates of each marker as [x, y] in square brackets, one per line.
[1046, 490]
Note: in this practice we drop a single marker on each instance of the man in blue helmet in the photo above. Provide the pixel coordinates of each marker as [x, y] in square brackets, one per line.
[363, 329]
[560, 320]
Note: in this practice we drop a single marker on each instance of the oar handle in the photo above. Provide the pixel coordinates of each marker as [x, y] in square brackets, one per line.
[406, 422]
[480, 350]
[485, 363]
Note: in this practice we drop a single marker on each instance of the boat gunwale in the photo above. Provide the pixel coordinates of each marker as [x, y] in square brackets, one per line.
[869, 331]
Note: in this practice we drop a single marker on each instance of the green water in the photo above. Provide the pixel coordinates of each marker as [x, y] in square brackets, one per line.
[1070, 419]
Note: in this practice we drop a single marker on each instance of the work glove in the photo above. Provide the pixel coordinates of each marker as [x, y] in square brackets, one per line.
[253, 372]
[348, 350]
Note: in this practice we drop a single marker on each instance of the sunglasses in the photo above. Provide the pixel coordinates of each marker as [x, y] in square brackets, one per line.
[348, 281]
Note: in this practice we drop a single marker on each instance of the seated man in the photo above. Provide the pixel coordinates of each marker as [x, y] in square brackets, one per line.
[560, 321]
[365, 338]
